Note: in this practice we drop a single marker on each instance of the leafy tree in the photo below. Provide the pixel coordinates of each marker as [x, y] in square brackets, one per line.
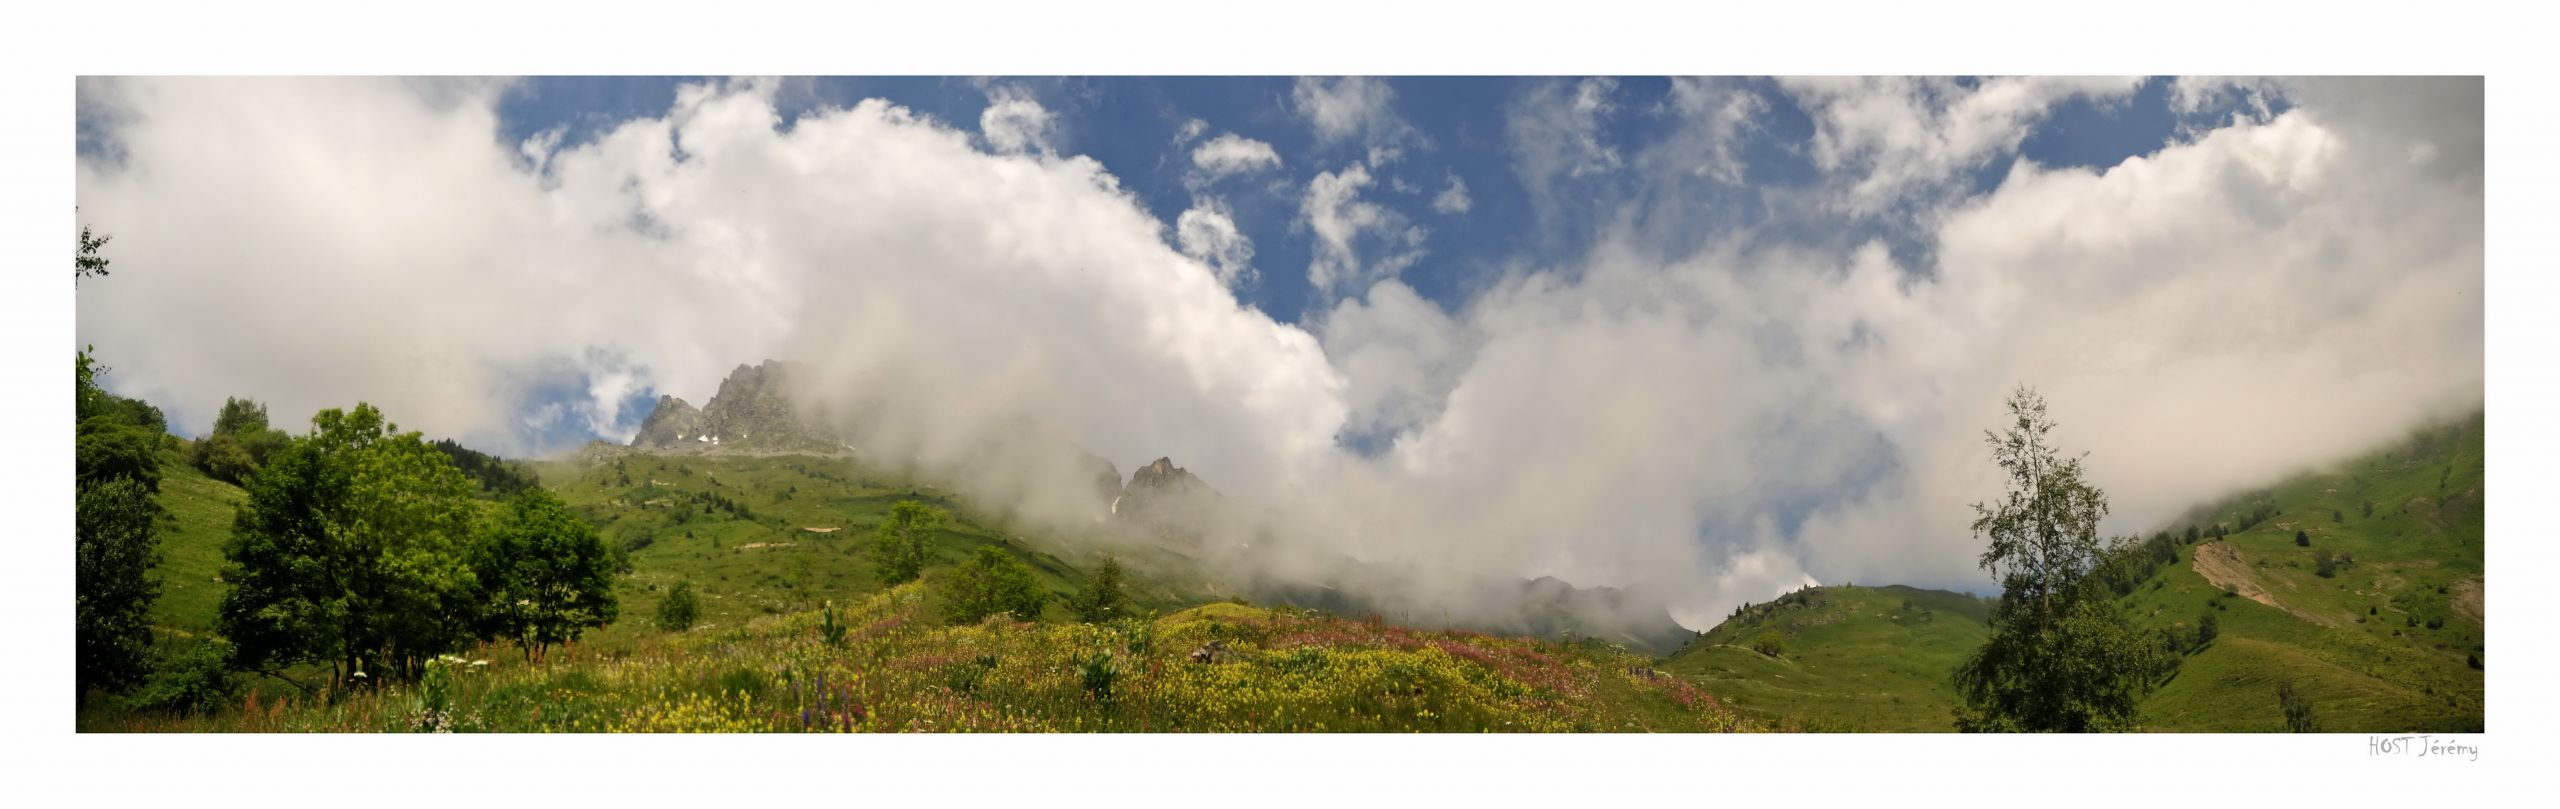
[1106, 599]
[240, 443]
[2301, 540]
[2324, 563]
[903, 542]
[545, 575]
[353, 549]
[2059, 657]
[87, 262]
[117, 525]
[2207, 628]
[116, 534]
[992, 582]
[1768, 644]
[680, 609]
[494, 474]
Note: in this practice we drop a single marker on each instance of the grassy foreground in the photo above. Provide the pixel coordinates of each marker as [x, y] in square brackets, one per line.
[1217, 668]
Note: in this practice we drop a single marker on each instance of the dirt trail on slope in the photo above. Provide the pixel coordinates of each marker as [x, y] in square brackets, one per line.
[2222, 565]
[2470, 596]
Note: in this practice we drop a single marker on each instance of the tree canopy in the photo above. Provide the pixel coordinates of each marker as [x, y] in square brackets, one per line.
[903, 542]
[2059, 657]
[545, 575]
[992, 582]
[351, 550]
[116, 532]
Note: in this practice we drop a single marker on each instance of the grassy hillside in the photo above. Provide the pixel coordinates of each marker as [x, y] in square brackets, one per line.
[1218, 667]
[2385, 643]
[768, 535]
[1845, 658]
[198, 519]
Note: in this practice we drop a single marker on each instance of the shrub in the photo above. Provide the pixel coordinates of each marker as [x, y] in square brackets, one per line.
[1106, 599]
[2326, 562]
[902, 543]
[2207, 628]
[1098, 673]
[2301, 539]
[1767, 644]
[680, 609]
[188, 677]
[830, 629]
[989, 583]
[2297, 709]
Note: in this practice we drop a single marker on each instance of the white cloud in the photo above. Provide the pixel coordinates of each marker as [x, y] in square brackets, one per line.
[1900, 136]
[1015, 122]
[1349, 107]
[1454, 199]
[1191, 130]
[1712, 115]
[1558, 130]
[1232, 154]
[1333, 208]
[1207, 232]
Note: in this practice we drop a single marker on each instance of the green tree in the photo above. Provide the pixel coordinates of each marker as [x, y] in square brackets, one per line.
[545, 575]
[680, 609]
[992, 582]
[2301, 540]
[2207, 628]
[903, 542]
[87, 261]
[116, 534]
[2059, 657]
[353, 549]
[1106, 599]
[117, 546]
[241, 442]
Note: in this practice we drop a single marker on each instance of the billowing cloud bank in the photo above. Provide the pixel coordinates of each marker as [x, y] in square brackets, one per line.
[2272, 291]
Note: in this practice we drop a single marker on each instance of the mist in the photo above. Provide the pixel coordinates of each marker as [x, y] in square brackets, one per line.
[1701, 426]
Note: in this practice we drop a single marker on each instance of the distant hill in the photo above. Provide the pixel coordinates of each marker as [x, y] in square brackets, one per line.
[2391, 640]
[1842, 658]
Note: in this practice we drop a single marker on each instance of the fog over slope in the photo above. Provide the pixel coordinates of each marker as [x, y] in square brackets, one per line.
[1706, 425]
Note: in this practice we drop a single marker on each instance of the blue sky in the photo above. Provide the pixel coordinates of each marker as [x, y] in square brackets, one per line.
[1130, 124]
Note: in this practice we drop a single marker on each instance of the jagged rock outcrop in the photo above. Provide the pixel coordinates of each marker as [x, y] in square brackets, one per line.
[1167, 502]
[672, 422]
[754, 409]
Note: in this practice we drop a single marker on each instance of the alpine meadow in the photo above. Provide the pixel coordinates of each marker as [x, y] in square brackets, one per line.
[1280, 404]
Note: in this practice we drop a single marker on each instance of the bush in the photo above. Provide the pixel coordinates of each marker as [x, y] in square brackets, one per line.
[902, 543]
[990, 583]
[2207, 628]
[2326, 562]
[1106, 599]
[1768, 644]
[1098, 674]
[680, 609]
[2297, 709]
[2301, 539]
[188, 677]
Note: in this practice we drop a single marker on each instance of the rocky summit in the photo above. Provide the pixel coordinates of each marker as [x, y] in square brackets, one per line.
[754, 409]
[1166, 501]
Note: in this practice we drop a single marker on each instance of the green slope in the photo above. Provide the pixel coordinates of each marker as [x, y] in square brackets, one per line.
[198, 519]
[1849, 658]
[762, 535]
[2384, 644]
